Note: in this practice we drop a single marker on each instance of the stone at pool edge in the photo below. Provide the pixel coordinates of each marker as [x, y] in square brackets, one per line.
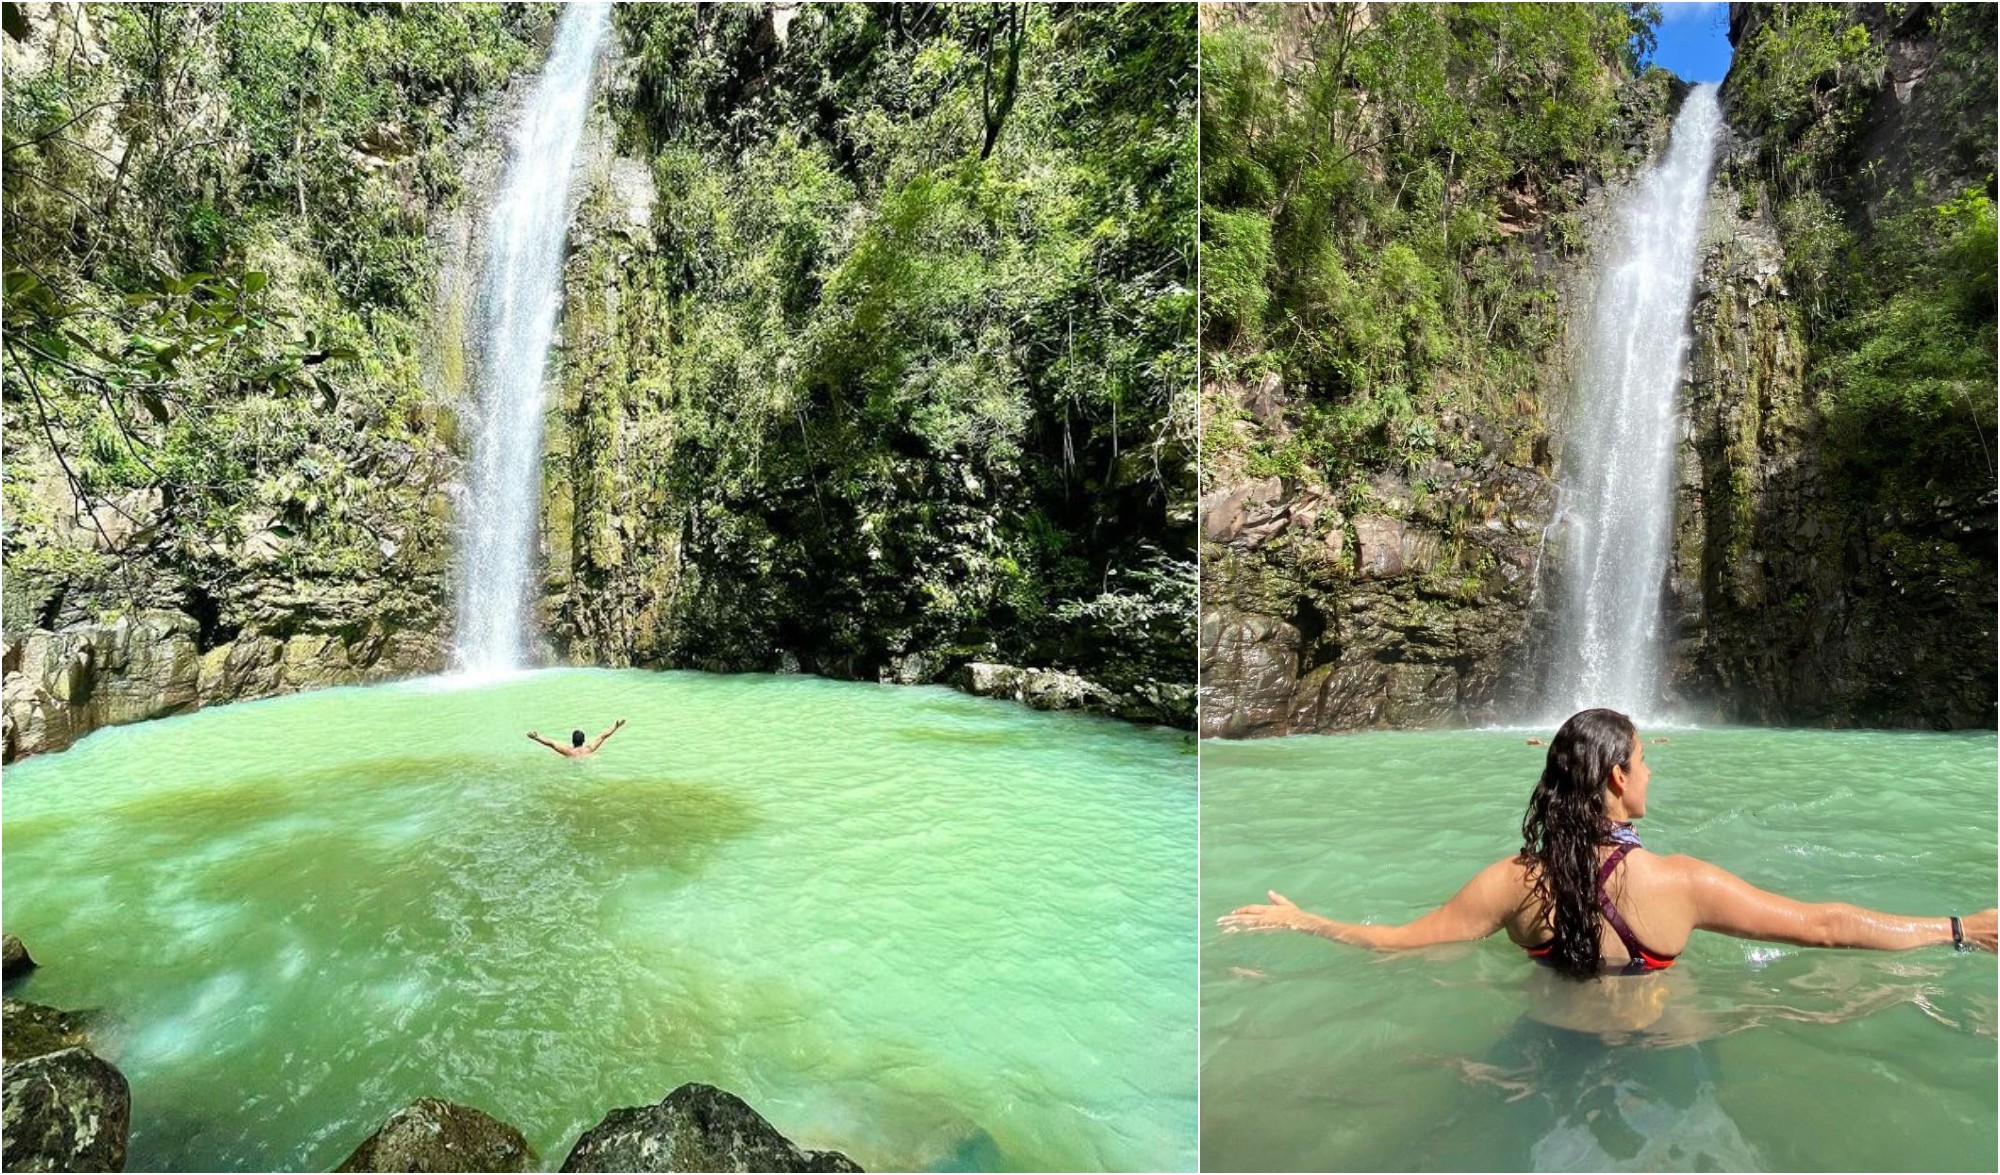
[17, 961]
[64, 1111]
[694, 1128]
[33, 1030]
[431, 1134]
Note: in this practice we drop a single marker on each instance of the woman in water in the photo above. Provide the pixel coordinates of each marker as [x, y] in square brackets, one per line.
[1584, 898]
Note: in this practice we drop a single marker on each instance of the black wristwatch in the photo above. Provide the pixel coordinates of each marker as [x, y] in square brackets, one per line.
[1958, 935]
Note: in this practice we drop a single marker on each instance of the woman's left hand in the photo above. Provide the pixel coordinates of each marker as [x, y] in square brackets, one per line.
[1281, 914]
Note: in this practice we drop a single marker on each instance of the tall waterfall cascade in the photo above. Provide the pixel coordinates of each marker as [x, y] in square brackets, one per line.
[1616, 503]
[509, 332]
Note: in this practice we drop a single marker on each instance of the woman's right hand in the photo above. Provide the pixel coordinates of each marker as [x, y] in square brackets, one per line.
[1281, 914]
[1982, 930]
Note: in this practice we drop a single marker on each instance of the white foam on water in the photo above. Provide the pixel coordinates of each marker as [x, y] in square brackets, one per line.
[460, 682]
[173, 1038]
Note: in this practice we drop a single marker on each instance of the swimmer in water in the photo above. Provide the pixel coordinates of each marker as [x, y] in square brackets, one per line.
[1584, 898]
[576, 748]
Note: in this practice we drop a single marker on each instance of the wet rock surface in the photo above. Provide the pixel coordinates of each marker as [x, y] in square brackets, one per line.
[695, 1128]
[65, 1111]
[430, 1134]
[61, 685]
[1801, 594]
[1405, 614]
[1053, 689]
[17, 961]
[34, 1030]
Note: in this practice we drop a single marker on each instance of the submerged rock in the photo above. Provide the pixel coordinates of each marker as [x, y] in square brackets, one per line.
[65, 1111]
[695, 1128]
[430, 1134]
[33, 1030]
[17, 960]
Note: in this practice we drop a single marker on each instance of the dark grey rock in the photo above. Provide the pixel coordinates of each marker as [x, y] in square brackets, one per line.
[434, 1135]
[695, 1128]
[17, 960]
[64, 1111]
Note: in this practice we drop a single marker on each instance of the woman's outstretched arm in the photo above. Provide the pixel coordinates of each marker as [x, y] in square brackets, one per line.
[1727, 904]
[1475, 911]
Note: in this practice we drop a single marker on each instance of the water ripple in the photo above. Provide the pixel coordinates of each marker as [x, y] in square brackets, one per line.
[1751, 1056]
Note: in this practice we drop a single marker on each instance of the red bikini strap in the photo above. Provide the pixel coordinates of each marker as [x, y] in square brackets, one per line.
[1618, 927]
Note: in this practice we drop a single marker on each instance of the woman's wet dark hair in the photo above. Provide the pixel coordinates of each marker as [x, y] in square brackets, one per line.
[1565, 825]
[576, 738]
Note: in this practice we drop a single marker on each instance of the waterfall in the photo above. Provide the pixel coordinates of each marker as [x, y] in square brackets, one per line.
[512, 325]
[1614, 523]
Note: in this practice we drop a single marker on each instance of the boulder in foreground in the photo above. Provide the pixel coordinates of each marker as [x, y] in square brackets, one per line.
[430, 1134]
[696, 1128]
[64, 1111]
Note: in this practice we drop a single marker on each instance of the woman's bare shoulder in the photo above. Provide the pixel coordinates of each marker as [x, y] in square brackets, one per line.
[1514, 873]
[1681, 868]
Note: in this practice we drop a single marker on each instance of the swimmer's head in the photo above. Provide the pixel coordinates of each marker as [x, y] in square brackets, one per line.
[1594, 756]
[576, 738]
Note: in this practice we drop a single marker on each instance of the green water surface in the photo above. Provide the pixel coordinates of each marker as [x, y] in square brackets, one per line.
[1764, 1057]
[929, 930]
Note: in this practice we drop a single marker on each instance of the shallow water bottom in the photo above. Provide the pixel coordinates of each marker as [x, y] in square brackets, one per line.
[1746, 1056]
[928, 930]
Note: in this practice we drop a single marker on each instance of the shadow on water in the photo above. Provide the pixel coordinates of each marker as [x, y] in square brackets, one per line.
[390, 902]
[384, 810]
[1561, 1100]
[309, 1113]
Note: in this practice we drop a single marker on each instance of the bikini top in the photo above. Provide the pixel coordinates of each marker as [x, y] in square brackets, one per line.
[1642, 960]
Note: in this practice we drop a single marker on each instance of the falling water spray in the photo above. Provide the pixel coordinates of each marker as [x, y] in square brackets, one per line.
[1615, 517]
[515, 318]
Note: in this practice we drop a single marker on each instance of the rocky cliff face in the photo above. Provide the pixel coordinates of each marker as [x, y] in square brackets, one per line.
[305, 540]
[775, 451]
[1412, 600]
[611, 534]
[1403, 615]
[1811, 586]
[1834, 555]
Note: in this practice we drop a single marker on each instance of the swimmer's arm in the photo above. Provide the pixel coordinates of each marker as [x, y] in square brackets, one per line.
[605, 735]
[1475, 911]
[538, 738]
[1727, 904]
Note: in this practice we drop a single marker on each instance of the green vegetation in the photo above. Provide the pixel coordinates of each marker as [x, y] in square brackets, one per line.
[1805, 78]
[926, 291]
[1898, 279]
[1908, 372]
[215, 278]
[1380, 189]
[903, 367]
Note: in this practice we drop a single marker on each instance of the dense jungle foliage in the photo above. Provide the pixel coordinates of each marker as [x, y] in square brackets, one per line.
[1895, 262]
[930, 309]
[1375, 187]
[914, 363]
[216, 270]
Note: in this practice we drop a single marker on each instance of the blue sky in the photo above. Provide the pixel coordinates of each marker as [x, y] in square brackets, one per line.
[1694, 41]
